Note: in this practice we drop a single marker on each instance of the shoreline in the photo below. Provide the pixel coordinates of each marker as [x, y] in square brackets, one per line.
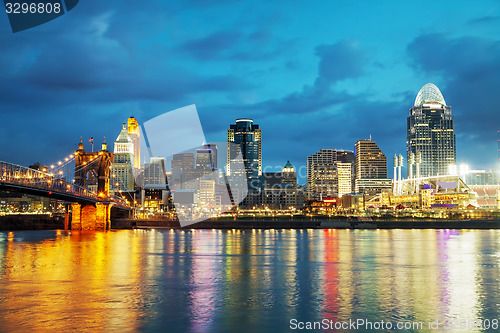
[45, 222]
[324, 224]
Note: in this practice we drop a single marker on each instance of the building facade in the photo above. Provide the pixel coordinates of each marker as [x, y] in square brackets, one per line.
[371, 163]
[154, 172]
[280, 188]
[371, 168]
[326, 173]
[244, 147]
[135, 135]
[182, 161]
[430, 134]
[206, 157]
[344, 174]
[122, 170]
[154, 192]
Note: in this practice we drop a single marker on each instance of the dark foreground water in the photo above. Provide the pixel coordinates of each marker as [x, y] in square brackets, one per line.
[249, 281]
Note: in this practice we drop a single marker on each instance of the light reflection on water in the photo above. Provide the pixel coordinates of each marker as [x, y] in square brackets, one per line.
[246, 281]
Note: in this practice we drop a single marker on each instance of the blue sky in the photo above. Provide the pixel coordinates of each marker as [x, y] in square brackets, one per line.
[316, 74]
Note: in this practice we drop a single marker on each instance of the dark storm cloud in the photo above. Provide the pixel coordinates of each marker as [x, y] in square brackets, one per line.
[58, 85]
[95, 68]
[340, 61]
[470, 68]
[212, 46]
[237, 46]
[337, 62]
[485, 20]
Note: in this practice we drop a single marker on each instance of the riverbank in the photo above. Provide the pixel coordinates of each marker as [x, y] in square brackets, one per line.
[47, 222]
[324, 224]
[31, 222]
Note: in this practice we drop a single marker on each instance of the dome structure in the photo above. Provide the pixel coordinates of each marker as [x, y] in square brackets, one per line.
[429, 93]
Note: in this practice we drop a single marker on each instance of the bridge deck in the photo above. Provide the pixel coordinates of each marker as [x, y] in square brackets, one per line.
[21, 179]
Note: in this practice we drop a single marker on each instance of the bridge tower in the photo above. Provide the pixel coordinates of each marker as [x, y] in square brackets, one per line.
[92, 170]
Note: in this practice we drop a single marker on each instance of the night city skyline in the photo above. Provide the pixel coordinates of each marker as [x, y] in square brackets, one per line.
[85, 73]
[250, 166]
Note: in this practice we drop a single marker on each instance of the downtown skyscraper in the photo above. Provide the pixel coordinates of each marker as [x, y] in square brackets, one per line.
[244, 144]
[330, 173]
[371, 168]
[431, 136]
[135, 136]
[206, 157]
[123, 162]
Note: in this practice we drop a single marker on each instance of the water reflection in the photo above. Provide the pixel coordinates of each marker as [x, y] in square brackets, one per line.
[256, 280]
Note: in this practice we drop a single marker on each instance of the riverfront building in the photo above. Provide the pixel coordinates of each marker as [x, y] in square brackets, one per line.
[154, 194]
[280, 188]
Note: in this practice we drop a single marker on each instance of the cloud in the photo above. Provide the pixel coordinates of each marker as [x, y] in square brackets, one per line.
[84, 73]
[63, 70]
[485, 20]
[212, 46]
[231, 45]
[340, 61]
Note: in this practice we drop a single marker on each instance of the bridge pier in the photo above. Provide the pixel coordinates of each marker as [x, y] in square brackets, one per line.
[90, 217]
[67, 217]
[76, 215]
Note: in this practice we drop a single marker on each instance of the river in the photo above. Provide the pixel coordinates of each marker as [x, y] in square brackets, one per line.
[161, 280]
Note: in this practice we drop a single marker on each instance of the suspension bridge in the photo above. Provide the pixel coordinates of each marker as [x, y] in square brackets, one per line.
[86, 193]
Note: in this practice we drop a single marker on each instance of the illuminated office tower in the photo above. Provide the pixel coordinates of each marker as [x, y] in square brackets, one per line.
[371, 168]
[370, 160]
[344, 175]
[329, 156]
[122, 170]
[180, 164]
[280, 188]
[154, 193]
[135, 134]
[182, 161]
[244, 146]
[323, 177]
[324, 180]
[206, 157]
[431, 133]
[154, 172]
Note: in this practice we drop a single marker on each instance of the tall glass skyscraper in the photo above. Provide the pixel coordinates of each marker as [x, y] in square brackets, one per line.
[244, 145]
[431, 136]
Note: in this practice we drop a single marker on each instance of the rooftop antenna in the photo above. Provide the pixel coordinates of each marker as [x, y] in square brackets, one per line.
[370, 137]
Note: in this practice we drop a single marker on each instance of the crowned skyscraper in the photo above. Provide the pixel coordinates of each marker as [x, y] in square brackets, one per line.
[123, 162]
[431, 136]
